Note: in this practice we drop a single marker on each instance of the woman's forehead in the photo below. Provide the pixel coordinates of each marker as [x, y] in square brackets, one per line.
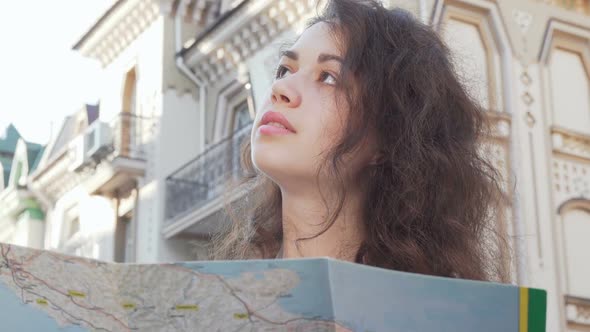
[316, 39]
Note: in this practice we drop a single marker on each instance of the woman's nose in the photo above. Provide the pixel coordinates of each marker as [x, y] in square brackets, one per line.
[285, 94]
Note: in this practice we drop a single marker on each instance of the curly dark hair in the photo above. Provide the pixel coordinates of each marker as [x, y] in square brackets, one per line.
[433, 201]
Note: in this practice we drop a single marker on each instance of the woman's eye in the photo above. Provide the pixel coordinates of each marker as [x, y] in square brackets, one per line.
[328, 78]
[281, 71]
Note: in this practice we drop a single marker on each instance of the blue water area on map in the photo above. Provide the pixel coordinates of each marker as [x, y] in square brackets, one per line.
[19, 317]
[364, 298]
[397, 301]
[310, 298]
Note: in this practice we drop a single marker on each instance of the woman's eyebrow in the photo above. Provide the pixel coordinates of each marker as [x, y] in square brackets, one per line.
[323, 57]
[290, 54]
[329, 57]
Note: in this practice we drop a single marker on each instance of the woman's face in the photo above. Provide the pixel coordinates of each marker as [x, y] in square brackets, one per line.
[304, 93]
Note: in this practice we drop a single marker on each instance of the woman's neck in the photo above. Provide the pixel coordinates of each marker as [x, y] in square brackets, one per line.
[304, 216]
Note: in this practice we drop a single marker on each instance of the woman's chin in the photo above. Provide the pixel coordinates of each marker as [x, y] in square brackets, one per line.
[269, 165]
[277, 169]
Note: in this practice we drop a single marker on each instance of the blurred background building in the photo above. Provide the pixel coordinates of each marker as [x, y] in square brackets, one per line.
[139, 176]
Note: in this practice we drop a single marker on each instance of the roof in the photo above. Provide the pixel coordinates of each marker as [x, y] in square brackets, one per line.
[34, 152]
[69, 128]
[5, 170]
[98, 23]
[8, 143]
[9, 139]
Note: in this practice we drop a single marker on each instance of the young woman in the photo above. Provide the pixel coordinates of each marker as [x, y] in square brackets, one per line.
[379, 162]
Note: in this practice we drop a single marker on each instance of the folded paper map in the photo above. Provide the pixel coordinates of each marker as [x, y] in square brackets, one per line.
[46, 291]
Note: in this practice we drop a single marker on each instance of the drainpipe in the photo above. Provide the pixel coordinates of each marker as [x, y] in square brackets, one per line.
[190, 75]
[47, 205]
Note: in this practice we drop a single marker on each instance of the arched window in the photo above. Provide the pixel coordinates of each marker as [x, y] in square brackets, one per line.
[129, 92]
[569, 79]
[233, 111]
[576, 233]
[128, 112]
[470, 57]
[476, 52]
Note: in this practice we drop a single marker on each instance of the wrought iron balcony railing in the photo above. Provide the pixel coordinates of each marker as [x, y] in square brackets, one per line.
[128, 135]
[124, 136]
[202, 180]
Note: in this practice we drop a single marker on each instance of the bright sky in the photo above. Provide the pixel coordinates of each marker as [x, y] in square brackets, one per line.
[41, 79]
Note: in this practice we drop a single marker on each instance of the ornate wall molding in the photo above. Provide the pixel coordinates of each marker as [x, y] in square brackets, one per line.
[571, 165]
[254, 26]
[485, 16]
[567, 36]
[501, 124]
[118, 28]
[56, 180]
[200, 11]
[523, 19]
[577, 310]
[578, 6]
[570, 143]
[571, 180]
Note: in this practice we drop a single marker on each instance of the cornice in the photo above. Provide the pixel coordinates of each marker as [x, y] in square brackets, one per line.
[117, 28]
[577, 310]
[570, 143]
[249, 29]
[501, 123]
[580, 7]
[55, 179]
[127, 19]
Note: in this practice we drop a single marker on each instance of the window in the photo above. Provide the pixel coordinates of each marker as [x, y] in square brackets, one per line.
[576, 224]
[470, 57]
[241, 116]
[233, 111]
[478, 44]
[570, 90]
[129, 92]
[74, 227]
[129, 108]
[566, 56]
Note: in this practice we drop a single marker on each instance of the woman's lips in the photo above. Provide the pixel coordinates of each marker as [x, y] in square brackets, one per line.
[273, 117]
[272, 130]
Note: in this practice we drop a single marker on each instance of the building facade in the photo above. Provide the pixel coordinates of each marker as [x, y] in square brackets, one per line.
[527, 63]
[141, 179]
[22, 220]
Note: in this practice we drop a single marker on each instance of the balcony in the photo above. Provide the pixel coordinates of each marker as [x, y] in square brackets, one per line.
[117, 152]
[193, 192]
[105, 158]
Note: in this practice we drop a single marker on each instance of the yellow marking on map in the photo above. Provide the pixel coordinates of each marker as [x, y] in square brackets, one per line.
[128, 305]
[240, 316]
[76, 293]
[192, 307]
[42, 301]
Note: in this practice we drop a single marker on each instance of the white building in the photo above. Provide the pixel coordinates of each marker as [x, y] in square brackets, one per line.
[185, 76]
[527, 62]
[21, 216]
